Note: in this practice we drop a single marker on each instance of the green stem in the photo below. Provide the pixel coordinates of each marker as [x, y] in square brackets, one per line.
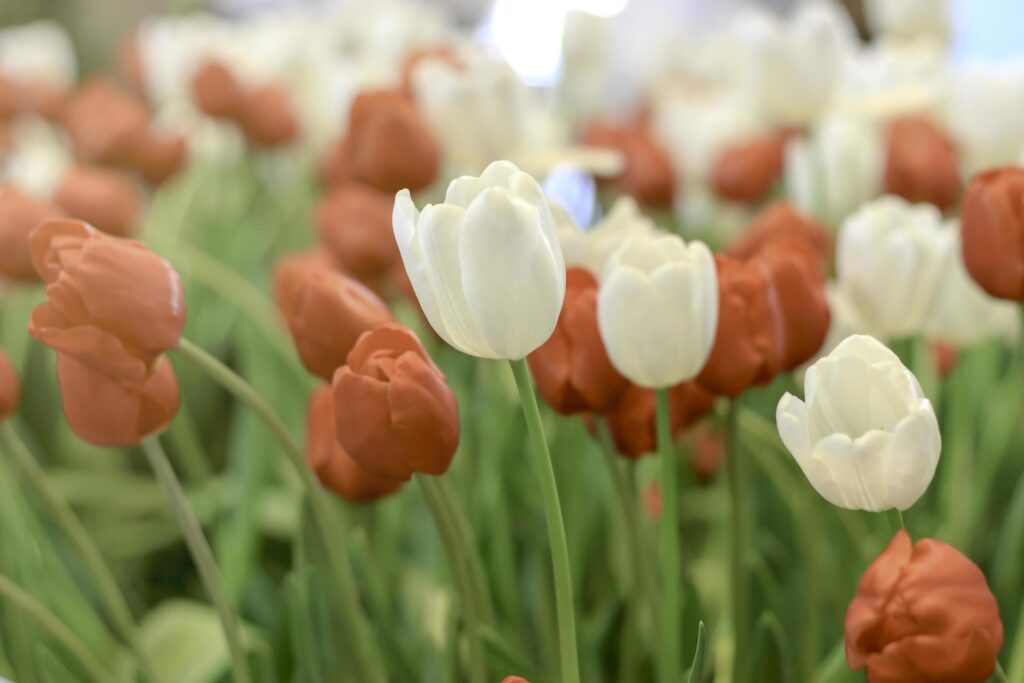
[364, 646]
[897, 519]
[201, 554]
[477, 575]
[1000, 675]
[458, 559]
[669, 661]
[1016, 673]
[737, 565]
[66, 519]
[556, 526]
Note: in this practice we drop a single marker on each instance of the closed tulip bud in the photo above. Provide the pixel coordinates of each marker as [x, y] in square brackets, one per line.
[747, 171]
[922, 163]
[335, 468]
[648, 174]
[103, 122]
[992, 225]
[268, 117]
[658, 309]
[782, 221]
[112, 303]
[866, 437]
[157, 158]
[102, 197]
[591, 248]
[486, 265]
[923, 612]
[19, 213]
[105, 411]
[632, 419]
[572, 369]
[354, 222]
[394, 412]
[391, 143]
[10, 387]
[216, 92]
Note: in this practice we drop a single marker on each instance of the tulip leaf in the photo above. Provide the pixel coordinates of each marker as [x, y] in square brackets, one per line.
[697, 668]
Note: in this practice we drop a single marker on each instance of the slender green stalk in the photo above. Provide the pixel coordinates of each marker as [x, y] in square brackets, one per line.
[999, 674]
[363, 645]
[897, 520]
[457, 558]
[556, 526]
[1016, 673]
[201, 554]
[477, 575]
[737, 564]
[697, 668]
[669, 650]
[66, 519]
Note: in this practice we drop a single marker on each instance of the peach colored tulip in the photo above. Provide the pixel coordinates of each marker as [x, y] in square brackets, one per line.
[747, 171]
[992, 226]
[797, 284]
[922, 163]
[111, 303]
[335, 468]
[117, 414]
[923, 612]
[325, 311]
[103, 122]
[19, 97]
[632, 419]
[10, 387]
[158, 157]
[572, 369]
[268, 117]
[782, 220]
[393, 410]
[216, 92]
[102, 197]
[19, 213]
[354, 222]
[648, 175]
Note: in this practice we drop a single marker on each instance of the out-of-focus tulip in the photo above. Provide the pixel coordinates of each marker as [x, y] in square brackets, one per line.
[591, 248]
[889, 261]
[326, 312]
[921, 162]
[158, 157]
[486, 264]
[444, 53]
[992, 226]
[707, 448]
[108, 412]
[336, 168]
[945, 356]
[866, 437]
[21, 97]
[354, 222]
[10, 387]
[334, 467]
[104, 123]
[393, 410]
[268, 116]
[112, 303]
[745, 172]
[909, 19]
[216, 92]
[19, 213]
[658, 309]
[632, 420]
[102, 197]
[923, 612]
[648, 174]
[514, 679]
[781, 221]
[572, 369]
[981, 113]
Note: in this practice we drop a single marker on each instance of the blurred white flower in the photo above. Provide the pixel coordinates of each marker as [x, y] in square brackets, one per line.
[590, 248]
[889, 78]
[909, 19]
[38, 157]
[983, 114]
[865, 435]
[40, 52]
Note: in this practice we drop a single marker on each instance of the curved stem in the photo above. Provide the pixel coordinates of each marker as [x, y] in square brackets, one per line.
[363, 646]
[669, 663]
[556, 527]
[66, 519]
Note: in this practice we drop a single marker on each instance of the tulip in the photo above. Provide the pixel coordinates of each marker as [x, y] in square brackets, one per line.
[103, 122]
[268, 117]
[572, 369]
[22, 97]
[782, 221]
[992, 225]
[889, 261]
[591, 248]
[447, 54]
[923, 612]
[19, 213]
[334, 467]
[101, 197]
[747, 171]
[486, 266]
[866, 437]
[325, 312]
[112, 303]
[10, 387]
[632, 419]
[157, 158]
[658, 309]
[648, 175]
[394, 412]
[105, 411]
[354, 222]
[922, 163]
[216, 92]
[981, 113]
[909, 19]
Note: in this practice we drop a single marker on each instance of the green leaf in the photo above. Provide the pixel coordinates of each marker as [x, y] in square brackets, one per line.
[697, 668]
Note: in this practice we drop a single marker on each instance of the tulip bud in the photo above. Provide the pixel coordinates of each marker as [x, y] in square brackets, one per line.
[782, 221]
[992, 224]
[747, 171]
[658, 309]
[268, 117]
[486, 265]
[10, 387]
[866, 437]
[104, 122]
[648, 174]
[19, 213]
[335, 468]
[101, 197]
[922, 163]
[216, 92]
[158, 158]
[572, 369]
[923, 612]
[394, 412]
[354, 222]
[632, 419]
[112, 303]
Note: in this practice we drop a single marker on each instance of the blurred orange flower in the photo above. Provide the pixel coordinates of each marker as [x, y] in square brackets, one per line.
[745, 172]
[648, 175]
[992, 226]
[216, 92]
[104, 198]
[10, 387]
[922, 163]
[103, 122]
[354, 222]
[19, 213]
[268, 117]
[20, 97]
[632, 419]
[781, 220]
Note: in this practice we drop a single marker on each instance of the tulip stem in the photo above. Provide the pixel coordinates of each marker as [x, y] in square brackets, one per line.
[477, 576]
[898, 514]
[669, 661]
[66, 519]
[555, 524]
[1000, 675]
[738, 501]
[363, 647]
[199, 549]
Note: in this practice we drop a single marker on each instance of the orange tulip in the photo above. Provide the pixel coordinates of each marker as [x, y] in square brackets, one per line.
[325, 311]
[444, 53]
[112, 303]
[104, 123]
[216, 92]
[648, 175]
[393, 410]
[632, 419]
[354, 222]
[781, 220]
[10, 387]
[992, 227]
[334, 467]
[923, 612]
[114, 413]
[104, 198]
[922, 163]
[572, 369]
[19, 213]
[745, 172]
[158, 157]
[20, 97]
[268, 117]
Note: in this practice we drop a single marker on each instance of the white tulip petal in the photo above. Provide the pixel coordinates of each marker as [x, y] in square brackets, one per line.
[405, 218]
[463, 190]
[628, 302]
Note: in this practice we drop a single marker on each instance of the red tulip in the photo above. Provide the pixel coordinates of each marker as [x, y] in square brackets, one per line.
[216, 92]
[745, 172]
[922, 163]
[632, 419]
[268, 117]
[104, 122]
[992, 226]
[102, 197]
[781, 220]
[354, 222]
[19, 213]
[648, 174]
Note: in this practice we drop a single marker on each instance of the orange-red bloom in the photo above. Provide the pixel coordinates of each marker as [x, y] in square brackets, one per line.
[104, 198]
[922, 163]
[19, 97]
[781, 220]
[632, 419]
[923, 612]
[393, 409]
[19, 213]
[354, 222]
[572, 369]
[111, 303]
[104, 123]
[992, 226]
[10, 387]
[745, 172]
[268, 117]
[114, 413]
[335, 468]
[158, 157]
[325, 311]
[216, 92]
[648, 174]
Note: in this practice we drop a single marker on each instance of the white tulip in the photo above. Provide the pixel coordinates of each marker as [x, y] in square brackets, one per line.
[40, 53]
[591, 248]
[657, 309]
[38, 158]
[865, 436]
[982, 114]
[890, 258]
[909, 19]
[485, 264]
